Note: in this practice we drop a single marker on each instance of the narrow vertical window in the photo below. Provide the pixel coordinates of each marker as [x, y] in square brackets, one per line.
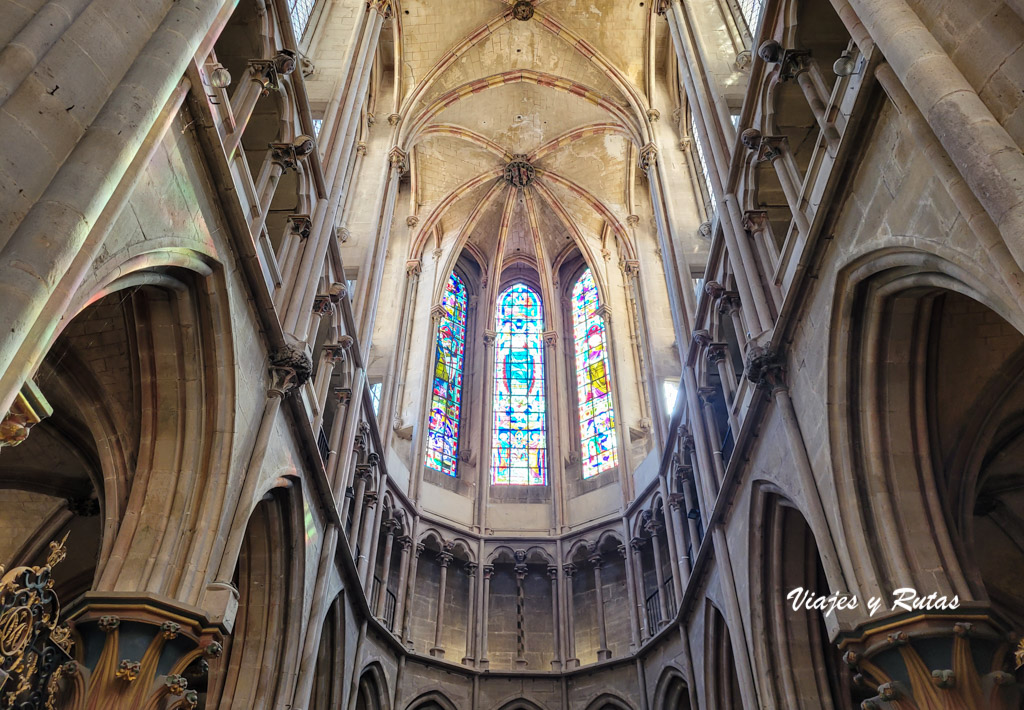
[702, 163]
[300, 10]
[751, 10]
[519, 432]
[446, 399]
[597, 415]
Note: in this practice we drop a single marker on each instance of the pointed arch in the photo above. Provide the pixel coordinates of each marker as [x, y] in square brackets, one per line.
[519, 418]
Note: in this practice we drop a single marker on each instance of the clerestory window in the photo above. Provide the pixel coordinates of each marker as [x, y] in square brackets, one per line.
[596, 412]
[519, 424]
[446, 395]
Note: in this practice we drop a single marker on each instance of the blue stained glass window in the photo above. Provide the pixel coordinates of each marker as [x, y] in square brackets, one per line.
[446, 398]
[519, 431]
[597, 416]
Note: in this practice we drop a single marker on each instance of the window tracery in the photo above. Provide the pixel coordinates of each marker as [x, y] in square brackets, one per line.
[596, 412]
[519, 430]
[446, 395]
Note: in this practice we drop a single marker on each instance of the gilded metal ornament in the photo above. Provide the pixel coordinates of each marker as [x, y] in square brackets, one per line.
[34, 645]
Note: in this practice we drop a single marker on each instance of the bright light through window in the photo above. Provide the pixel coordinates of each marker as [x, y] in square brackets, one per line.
[299, 11]
[702, 161]
[669, 389]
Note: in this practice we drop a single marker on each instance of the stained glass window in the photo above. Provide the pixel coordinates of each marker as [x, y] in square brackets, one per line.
[446, 399]
[597, 416]
[519, 431]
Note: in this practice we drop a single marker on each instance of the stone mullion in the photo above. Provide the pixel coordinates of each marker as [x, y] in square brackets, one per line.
[468, 659]
[707, 397]
[569, 570]
[390, 527]
[556, 626]
[684, 561]
[409, 593]
[603, 654]
[654, 528]
[403, 579]
[487, 424]
[635, 563]
[445, 559]
[488, 572]
[368, 537]
[558, 439]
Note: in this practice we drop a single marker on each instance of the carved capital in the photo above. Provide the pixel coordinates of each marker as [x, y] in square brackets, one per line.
[489, 336]
[412, 220]
[716, 352]
[702, 337]
[471, 568]
[633, 220]
[751, 138]
[552, 572]
[596, 559]
[765, 369]
[381, 7]
[730, 303]
[676, 501]
[569, 570]
[637, 543]
[413, 267]
[630, 268]
[300, 225]
[438, 313]
[445, 558]
[551, 338]
[704, 230]
[755, 220]
[399, 160]
[488, 571]
[405, 542]
[605, 312]
[653, 114]
[394, 118]
[290, 368]
[361, 148]
[288, 155]
[648, 157]
[707, 395]
[418, 550]
[322, 305]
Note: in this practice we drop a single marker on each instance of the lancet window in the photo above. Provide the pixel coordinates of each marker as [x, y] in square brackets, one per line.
[446, 395]
[519, 430]
[596, 412]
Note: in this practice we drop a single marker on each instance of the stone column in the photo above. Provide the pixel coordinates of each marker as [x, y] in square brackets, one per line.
[676, 501]
[707, 397]
[571, 661]
[654, 528]
[765, 368]
[635, 561]
[756, 222]
[716, 355]
[409, 591]
[483, 662]
[729, 305]
[556, 663]
[363, 474]
[796, 64]
[365, 535]
[603, 654]
[467, 660]
[699, 500]
[445, 558]
[390, 527]
[521, 570]
[403, 577]
[775, 149]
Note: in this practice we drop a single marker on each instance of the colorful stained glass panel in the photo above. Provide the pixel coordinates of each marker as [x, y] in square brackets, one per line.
[596, 413]
[519, 431]
[446, 396]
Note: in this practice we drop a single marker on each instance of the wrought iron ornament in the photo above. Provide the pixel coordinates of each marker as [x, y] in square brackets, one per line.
[34, 646]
